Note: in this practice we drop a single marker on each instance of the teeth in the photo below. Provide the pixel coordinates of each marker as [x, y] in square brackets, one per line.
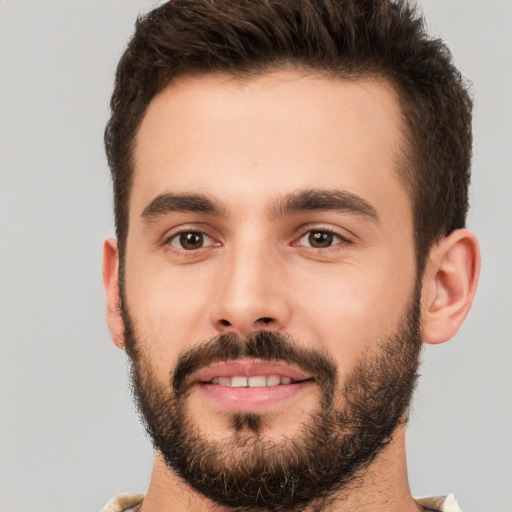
[257, 381]
[238, 382]
[273, 380]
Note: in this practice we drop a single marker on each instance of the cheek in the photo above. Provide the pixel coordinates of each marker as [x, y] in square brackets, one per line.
[166, 314]
[348, 311]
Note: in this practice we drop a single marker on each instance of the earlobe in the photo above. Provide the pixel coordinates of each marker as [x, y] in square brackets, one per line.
[111, 284]
[449, 285]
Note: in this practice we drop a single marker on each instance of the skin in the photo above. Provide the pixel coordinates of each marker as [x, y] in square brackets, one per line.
[246, 145]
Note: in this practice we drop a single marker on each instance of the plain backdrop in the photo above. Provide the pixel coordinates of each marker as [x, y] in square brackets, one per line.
[69, 437]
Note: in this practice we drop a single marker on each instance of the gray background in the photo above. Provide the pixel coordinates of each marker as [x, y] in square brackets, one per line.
[69, 436]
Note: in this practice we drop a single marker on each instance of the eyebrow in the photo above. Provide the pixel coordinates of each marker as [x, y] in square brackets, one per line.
[170, 202]
[337, 200]
[297, 202]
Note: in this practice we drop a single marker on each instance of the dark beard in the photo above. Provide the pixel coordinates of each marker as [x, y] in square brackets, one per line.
[350, 427]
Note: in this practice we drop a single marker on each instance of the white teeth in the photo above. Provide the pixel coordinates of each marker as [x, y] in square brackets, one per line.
[273, 380]
[257, 381]
[238, 382]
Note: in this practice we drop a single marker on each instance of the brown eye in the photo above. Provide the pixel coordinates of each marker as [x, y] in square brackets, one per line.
[320, 239]
[190, 240]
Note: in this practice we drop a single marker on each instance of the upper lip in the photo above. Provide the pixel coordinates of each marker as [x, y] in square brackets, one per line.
[249, 368]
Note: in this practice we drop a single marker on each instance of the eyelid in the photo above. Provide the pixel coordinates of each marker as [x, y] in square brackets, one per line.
[186, 228]
[176, 237]
[344, 236]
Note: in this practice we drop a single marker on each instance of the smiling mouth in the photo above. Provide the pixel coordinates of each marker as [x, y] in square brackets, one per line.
[250, 373]
[256, 381]
[251, 385]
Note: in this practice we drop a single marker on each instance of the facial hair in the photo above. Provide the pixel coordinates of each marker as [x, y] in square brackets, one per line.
[352, 423]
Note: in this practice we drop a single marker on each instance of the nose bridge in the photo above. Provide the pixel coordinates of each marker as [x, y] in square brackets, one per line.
[250, 295]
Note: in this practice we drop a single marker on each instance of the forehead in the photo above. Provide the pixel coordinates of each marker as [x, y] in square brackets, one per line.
[259, 136]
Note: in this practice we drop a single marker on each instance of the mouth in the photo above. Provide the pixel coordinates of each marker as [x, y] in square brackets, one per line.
[251, 385]
[257, 381]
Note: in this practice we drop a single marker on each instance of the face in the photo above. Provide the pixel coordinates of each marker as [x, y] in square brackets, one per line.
[269, 281]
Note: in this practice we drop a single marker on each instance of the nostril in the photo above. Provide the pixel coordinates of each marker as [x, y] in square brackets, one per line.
[225, 323]
[264, 320]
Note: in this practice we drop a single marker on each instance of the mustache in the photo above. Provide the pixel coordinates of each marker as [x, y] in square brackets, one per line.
[263, 345]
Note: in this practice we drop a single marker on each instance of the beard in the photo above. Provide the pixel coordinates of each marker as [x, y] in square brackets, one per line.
[352, 423]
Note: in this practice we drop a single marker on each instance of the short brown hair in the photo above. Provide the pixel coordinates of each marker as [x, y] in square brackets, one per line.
[344, 38]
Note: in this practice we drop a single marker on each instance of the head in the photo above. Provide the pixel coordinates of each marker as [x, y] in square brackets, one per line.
[290, 184]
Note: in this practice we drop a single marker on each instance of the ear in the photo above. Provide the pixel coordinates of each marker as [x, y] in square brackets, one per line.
[111, 284]
[449, 285]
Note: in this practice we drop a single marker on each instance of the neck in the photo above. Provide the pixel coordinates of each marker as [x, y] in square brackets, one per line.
[382, 487]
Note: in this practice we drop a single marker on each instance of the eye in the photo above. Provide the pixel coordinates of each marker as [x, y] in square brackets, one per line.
[190, 240]
[320, 239]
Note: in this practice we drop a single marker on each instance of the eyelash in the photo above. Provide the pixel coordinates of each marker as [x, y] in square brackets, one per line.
[342, 240]
[168, 241]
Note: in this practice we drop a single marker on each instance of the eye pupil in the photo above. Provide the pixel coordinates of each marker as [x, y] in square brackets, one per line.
[320, 239]
[191, 240]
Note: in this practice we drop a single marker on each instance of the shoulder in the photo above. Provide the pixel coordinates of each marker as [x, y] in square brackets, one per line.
[439, 503]
[123, 503]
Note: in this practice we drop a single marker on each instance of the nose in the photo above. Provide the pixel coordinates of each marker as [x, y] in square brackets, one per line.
[251, 293]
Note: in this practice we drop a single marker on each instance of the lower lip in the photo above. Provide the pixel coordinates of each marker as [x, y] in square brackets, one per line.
[252, 399]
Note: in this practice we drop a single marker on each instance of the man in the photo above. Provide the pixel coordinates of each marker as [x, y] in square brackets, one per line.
[290, 186]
